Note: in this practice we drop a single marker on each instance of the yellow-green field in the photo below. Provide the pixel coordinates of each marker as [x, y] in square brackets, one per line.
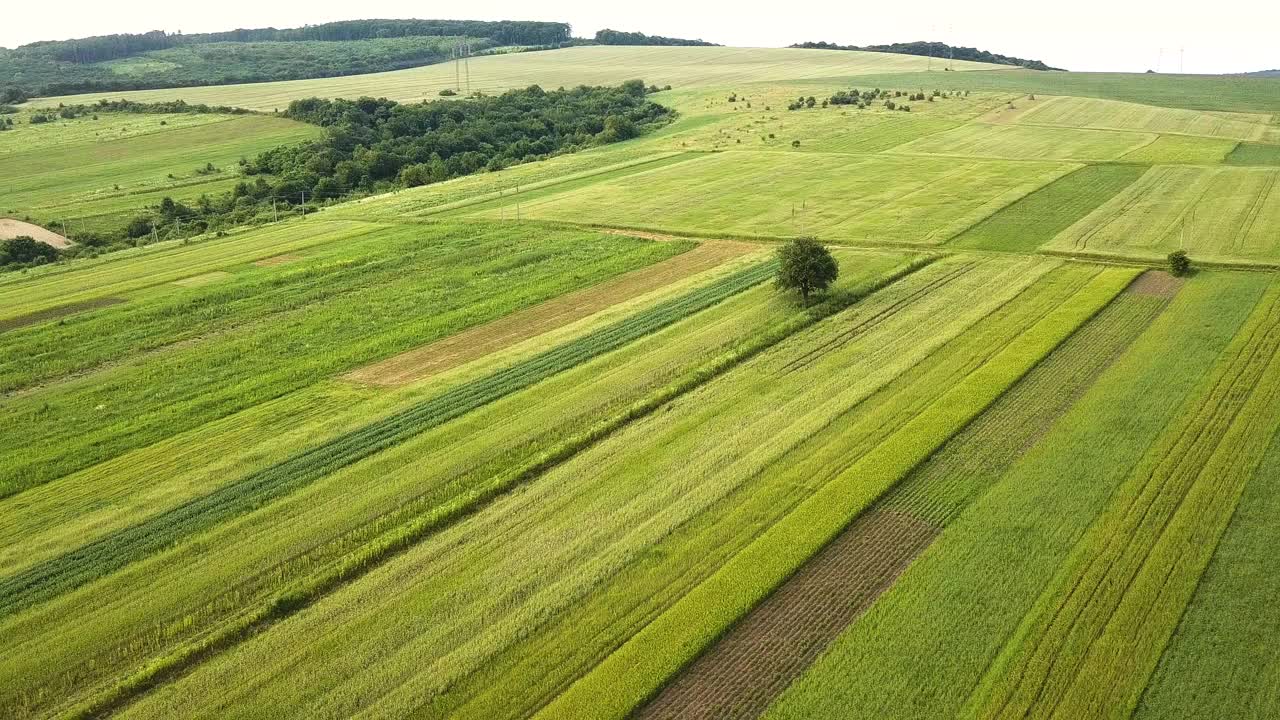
[677, 66]
[547, 442]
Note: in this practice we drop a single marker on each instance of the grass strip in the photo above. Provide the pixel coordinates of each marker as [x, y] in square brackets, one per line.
[73, 569]
[644, 664]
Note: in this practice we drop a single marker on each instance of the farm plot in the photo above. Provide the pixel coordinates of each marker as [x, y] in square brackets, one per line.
[878, 199]
[108, 127]
[1226, 214]
[1034, 220]
[96, 186]
[1083, 112]
[374, 307]
[923, 646]
[423, 480]
[595, 65]
[1095, 635]
[1182, 150]
[1027, 143]
[541, 533]
[1218, 663]
[735, 679]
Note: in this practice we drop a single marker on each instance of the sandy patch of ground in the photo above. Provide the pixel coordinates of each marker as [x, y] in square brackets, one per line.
[11, 228]
[1155, 282]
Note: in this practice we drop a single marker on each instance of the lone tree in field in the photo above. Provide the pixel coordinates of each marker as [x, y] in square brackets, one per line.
[806, 265]
[1179, 263]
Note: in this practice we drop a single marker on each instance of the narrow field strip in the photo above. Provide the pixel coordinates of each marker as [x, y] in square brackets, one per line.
[117, 550]
[742, 674]
[128, 271]
[1099, 629]
[638, 669]
[1038, 217]
[470, 344]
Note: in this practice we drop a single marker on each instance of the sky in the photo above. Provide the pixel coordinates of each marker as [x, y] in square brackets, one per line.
[1088, 35]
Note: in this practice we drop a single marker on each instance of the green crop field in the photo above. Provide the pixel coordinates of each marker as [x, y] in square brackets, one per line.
[546, 440]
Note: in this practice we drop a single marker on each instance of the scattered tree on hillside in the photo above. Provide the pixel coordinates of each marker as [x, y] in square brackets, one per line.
[806, 265]
[1179, 263]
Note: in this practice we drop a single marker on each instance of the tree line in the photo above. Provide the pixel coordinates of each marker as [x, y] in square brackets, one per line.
[618, 37]
[934, 49]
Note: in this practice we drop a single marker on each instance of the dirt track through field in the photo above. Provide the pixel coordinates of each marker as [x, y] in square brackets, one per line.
[54, 313]
[479, 341]
[756, 661]
[10, 228]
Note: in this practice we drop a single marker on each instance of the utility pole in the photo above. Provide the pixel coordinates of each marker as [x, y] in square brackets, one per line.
[1182, 56]
[275, 212]
[466, 61]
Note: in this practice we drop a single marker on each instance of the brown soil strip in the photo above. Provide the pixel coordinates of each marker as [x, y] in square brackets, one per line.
[202, 280]
[277, 260]
[1156, 283]
[642, 234]
[54, 313]
[10, 228]
[760, 656]
[479, 341]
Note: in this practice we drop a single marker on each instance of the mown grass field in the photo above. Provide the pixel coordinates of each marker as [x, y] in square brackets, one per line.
[546, 442]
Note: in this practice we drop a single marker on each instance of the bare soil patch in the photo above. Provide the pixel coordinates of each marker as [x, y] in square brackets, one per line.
[741, 675]
[205, 279]
[277, 260]
[55, 313]
[481, 340]
[1157, 283]
[11, 228]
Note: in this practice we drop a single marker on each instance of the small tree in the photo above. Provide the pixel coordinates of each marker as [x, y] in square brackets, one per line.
[806, 265]
[1179, 263]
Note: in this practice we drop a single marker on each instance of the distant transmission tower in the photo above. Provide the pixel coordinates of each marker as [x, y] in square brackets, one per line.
[466, 61]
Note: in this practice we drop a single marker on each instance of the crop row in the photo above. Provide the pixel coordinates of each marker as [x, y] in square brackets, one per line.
[129, 545]
[1098, 630]
[631, 674]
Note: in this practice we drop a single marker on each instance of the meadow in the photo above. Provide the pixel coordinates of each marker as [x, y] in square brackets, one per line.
[547, 442]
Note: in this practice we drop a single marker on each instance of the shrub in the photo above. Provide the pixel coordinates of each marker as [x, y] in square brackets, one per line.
[447, 92]
[1179, 263]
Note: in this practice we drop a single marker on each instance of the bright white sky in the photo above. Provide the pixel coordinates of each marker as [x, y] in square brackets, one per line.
[1128, 35]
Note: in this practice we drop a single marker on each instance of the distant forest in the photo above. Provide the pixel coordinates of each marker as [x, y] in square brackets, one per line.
[617, 37]
[934, 49]
[158, 59]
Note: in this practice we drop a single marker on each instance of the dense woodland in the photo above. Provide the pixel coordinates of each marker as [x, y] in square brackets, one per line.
[618, 37]
[934, 49]
[158, 59]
